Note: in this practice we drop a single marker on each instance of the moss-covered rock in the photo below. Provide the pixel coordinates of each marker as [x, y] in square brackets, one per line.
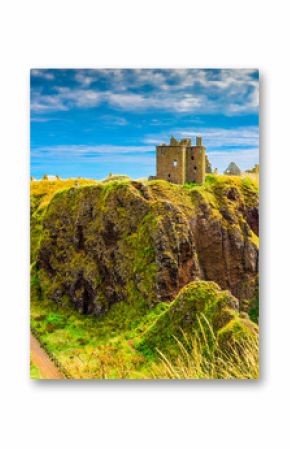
[97, 247]
[199, 300]
[41, 192]
[236, 332]
[101, 243]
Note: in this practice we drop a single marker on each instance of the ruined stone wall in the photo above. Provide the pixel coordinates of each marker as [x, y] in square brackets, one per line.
[180, 162]
[171, 163]
[195, 164]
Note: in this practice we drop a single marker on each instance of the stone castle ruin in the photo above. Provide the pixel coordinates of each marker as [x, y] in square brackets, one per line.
[180, 162]
[232, 170]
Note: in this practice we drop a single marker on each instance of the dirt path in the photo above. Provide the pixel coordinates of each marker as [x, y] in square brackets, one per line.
[39, 357]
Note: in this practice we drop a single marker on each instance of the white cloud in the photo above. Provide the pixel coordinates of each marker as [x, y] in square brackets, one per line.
[47, 103]
[43, 119]
[178, 103]
[245, 159]
[42, 73]
[65, 99]
[86, 151]
[204, 91]
[212, 137]
[112, 120]
[144, 155]
[217, 137]
[84, 79]
[180, 79]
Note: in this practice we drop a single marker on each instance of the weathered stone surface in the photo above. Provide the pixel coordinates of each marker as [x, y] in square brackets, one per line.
[202, 310]
[126, 241]
[208, 167]
[232, 170]
[196, 305]
[180, 162]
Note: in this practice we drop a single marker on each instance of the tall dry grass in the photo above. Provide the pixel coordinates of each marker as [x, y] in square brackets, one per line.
[255, 177]
[201, 357]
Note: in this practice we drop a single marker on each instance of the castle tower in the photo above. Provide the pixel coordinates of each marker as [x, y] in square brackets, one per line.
[180, 162]
[195, 162]
[171, 160]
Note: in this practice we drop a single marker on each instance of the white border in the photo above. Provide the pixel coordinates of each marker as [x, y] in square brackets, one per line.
[144, 34]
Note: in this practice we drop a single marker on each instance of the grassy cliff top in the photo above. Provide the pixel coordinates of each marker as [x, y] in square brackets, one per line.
[43, 191]
[111, 283]
[217, 186]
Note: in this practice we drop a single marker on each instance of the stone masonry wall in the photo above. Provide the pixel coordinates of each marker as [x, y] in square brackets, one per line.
[171, 163]
[180, 162]
[195, 164]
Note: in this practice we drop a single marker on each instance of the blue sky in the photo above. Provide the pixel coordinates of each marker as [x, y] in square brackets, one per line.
[89, 122]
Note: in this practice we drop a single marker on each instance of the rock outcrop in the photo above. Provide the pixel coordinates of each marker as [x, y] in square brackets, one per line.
[202, 309]
[127, 241]
[232, 170]
[208, 167]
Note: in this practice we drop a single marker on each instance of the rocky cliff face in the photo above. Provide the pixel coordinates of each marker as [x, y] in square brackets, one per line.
[128, 241]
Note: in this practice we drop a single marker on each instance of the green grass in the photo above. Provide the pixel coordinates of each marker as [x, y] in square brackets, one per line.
[191, 362]
[34, 371]
[91, 347]
[197, 299]
[108, 346]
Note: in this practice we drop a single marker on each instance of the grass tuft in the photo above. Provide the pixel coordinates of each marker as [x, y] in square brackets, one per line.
[199, 358]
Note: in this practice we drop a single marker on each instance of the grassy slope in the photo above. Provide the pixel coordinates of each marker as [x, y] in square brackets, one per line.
[91, 347]
[34, 371]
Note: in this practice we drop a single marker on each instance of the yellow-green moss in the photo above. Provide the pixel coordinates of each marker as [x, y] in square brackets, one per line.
[237, 331]
[199, 299]
[34, 371]
[57, 211]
